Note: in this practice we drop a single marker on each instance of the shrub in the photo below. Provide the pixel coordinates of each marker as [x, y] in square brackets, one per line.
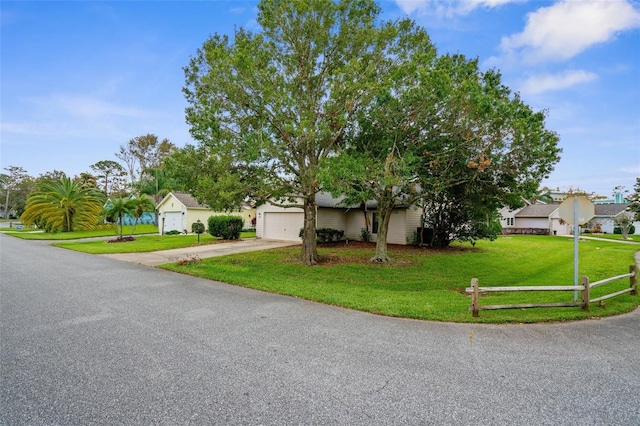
[225, 227]
[365, 235]
[617, 230]
[325, 235]
[197, 227]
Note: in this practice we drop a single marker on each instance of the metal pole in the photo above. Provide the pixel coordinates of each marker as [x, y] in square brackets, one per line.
[576, 231]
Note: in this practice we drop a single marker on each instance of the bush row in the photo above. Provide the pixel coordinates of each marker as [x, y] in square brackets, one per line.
[326, 235]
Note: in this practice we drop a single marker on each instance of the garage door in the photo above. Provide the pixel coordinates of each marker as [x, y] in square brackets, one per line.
[283, 226]
[173, 221]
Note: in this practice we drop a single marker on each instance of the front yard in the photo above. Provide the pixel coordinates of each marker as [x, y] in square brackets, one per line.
[428, 284]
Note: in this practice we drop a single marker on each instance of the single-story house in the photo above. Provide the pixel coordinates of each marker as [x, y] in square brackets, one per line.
[540, 219]
[178, 211]
[545, 219]
[285, 223]
[605, 214]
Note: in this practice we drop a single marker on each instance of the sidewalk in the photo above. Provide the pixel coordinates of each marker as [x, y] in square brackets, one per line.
[211, 250]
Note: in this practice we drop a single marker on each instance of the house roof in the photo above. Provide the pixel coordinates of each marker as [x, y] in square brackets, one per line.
[610, 210]
[325, 199]
[537, 210]
[186, 199]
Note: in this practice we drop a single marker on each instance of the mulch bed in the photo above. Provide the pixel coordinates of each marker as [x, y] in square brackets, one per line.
[121, 240]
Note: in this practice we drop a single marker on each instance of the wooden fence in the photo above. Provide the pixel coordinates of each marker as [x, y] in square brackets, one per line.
[585, 290]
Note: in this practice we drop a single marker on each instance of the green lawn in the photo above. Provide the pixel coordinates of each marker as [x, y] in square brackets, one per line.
[107, 231]
[615, 237]
[428, 284]
[143, 244]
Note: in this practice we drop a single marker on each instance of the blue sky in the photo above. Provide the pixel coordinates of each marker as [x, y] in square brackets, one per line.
[79, 79]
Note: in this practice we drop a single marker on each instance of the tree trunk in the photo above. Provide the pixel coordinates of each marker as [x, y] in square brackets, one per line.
[385, 208]
[309, 254]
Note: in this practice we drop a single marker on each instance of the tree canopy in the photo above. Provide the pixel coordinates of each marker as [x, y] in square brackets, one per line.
[268, 107]
[328, 97]
[143, 152]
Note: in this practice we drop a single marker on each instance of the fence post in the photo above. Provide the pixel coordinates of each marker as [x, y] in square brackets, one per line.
[474, 298]
[633, 281]
[585, 293]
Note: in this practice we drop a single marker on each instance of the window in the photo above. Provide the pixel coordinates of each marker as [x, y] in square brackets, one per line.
[374, 223]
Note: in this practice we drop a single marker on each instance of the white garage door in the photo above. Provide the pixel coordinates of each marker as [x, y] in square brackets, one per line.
[283, 226]
[173, 221]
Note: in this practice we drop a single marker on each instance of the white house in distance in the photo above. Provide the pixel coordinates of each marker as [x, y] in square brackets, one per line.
[178, 211]
[544, 219]
[280, 223]
[538, 219]
[605, 213]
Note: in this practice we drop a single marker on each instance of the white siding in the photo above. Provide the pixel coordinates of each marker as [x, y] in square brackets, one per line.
[355, 222]
[332, 218]
[397, 233]
[413, 221]
[532, 222]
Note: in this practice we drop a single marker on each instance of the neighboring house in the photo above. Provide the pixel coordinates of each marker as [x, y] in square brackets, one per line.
[280, 223]
[545, 219]
[605, 214]
[178, 211]
[539, 219]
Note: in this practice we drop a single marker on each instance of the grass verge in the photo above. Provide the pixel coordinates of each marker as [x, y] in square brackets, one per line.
[106, 231]
[428, 284]
[144, 244]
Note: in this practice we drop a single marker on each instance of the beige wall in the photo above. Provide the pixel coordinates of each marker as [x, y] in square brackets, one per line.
[401, 228]
[191, 215]
[332, 218]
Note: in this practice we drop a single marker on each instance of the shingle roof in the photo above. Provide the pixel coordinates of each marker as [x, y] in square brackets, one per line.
[325, 199]
[538, 210]
[610, 210]
[188, 200]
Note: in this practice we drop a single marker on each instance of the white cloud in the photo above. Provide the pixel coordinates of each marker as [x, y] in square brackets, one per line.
[448, 8]
[84, 107]
[563, 30]
[548, 82]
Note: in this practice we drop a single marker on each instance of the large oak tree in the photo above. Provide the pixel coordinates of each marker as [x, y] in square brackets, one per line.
[450, 137]
[268, 107]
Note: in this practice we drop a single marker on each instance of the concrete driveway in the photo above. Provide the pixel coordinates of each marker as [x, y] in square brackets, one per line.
[211, 250]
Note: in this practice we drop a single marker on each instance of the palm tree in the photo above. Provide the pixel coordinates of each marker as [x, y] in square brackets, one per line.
[63, 205]
[115, 210]
[139, 207]
[156, 184]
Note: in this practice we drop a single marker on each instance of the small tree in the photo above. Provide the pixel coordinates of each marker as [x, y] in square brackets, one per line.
[624, 221]
[115, 210]
[197, 228]
[635, 200]
[140, 206]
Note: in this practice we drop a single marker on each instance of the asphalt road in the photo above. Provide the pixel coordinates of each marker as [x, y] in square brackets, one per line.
[92, 340]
